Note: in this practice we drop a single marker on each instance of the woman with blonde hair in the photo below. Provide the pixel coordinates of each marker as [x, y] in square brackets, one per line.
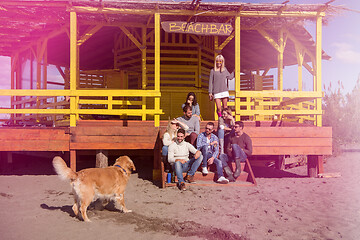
[170, 136]
[218, 83]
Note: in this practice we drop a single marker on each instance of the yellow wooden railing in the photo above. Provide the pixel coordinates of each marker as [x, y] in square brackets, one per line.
[275, 105]
[107, 97]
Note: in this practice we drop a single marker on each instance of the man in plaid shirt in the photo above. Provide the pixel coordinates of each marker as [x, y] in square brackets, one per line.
[208, 144]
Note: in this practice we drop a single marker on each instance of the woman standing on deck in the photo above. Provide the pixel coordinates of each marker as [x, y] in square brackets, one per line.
[218, 83]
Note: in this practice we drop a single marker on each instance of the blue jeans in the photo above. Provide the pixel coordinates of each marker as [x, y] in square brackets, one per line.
[206, 155]
[221, 133]
[193, 164]
[165, 150]
[237, 152]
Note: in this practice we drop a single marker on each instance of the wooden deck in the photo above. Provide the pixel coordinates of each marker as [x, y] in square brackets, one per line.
[269, 138]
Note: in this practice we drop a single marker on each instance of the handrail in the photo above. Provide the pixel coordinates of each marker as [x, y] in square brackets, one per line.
[78, 95]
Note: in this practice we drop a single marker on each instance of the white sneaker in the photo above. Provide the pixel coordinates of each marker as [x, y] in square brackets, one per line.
[205, 171]
[222, 180]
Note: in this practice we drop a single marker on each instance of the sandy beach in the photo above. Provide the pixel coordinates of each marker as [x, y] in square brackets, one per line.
[284, 205]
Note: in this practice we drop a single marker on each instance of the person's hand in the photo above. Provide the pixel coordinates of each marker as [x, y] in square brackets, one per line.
[211, 96]
[210, 160]
[197, 154]
[214, 143]
[180, 160]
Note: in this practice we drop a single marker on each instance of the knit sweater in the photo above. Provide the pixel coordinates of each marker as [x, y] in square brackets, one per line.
[218, 81]
[193, 124]
[244, 141]
[180, 151]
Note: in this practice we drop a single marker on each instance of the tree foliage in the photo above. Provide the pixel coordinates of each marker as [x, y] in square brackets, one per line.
[342, 113]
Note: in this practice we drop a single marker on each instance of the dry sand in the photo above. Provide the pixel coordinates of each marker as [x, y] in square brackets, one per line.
[284, 205]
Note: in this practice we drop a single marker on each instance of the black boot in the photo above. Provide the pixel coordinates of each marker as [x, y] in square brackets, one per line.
[238, 168]
[229, 174]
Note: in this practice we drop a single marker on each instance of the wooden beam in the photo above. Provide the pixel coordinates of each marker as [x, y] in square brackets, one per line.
[157, 66]
[237, 65]
[108, 10]
[227, 40]
[131, 37]
[89, 33]
[74, 63]
[318, 67]
[269, 38]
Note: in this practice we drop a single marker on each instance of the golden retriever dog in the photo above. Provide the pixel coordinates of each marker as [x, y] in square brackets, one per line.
[91, 184]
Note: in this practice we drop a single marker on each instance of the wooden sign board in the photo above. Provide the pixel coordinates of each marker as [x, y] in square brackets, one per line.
[198, 28]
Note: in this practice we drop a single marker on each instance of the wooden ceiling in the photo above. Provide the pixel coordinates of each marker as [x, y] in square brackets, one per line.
[25, 22]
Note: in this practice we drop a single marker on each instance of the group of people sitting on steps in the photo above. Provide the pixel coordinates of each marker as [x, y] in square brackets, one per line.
[185, 148]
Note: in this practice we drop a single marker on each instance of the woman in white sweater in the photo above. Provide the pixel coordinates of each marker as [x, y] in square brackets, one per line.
[170, 135]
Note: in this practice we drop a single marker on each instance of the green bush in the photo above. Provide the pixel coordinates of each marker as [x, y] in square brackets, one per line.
[342, 113]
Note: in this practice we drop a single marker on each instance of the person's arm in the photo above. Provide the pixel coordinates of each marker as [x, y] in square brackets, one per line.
[229, 148]
[194, 151]
[167, 139]
[215, 144]
[196, 110]
[211, 80]
[181, 124]
[200, 141]
[248, 146]
[197, 126]
[171, 153]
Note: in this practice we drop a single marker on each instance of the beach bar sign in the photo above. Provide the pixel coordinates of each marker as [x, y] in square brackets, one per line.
[198, 28]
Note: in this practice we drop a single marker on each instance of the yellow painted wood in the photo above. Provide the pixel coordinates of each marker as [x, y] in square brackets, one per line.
[143, 69]
[89, 33]
[157, 66]
[269, 38]
[131, 112]
[281, 112]
[300, 61]
[298, 43]
[237, 65]
[227, 40]
[318, 67]
[281, 60]
[74, 64]
[131, 37]
[107, 10]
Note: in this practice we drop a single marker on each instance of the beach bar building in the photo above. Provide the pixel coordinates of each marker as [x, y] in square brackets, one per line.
[126, 67]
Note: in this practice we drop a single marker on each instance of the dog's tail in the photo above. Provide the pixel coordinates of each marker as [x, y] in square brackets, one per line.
[63, 170]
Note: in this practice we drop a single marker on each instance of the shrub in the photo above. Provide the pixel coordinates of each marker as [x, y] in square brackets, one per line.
[342, 113]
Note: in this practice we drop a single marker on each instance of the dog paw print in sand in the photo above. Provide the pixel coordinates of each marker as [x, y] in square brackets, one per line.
[5, 195]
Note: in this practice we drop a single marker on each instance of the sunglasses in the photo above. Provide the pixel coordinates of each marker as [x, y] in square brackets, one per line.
[210, 129]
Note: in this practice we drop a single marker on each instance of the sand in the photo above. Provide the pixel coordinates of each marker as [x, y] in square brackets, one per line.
[284, 205]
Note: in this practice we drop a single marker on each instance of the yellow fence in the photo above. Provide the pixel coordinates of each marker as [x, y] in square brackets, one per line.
[88, 102]
[275, 105]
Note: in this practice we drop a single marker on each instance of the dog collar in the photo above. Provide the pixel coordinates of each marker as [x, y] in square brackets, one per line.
[121, 168]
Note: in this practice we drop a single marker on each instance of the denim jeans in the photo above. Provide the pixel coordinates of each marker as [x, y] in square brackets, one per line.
[193, 164]
[237, 152]
[206, 155]
[165, 151]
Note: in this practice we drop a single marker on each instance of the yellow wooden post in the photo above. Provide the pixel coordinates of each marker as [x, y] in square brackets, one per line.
[45, 64]
[143, 67]
[281, 60]
[74, 65]
[237, 68]
[300, 60]
[157, 67]
[216, 52]
[318, 67]
[14, 59]
[198, 77]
